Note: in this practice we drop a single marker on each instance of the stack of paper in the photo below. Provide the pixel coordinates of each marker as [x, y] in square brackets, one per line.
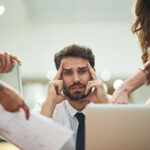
[37, 133]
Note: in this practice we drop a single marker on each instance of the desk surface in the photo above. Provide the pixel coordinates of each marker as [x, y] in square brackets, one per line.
[7, 146]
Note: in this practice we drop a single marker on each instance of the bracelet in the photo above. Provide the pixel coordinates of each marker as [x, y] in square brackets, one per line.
[143, 69]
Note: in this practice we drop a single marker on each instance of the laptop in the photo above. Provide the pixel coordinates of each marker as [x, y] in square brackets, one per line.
[117, 127]
[13, 78]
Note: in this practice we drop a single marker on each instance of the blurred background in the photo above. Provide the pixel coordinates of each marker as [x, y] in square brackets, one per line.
[34, 30]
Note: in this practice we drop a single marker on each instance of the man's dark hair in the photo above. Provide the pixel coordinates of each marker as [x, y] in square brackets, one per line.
[75, 51]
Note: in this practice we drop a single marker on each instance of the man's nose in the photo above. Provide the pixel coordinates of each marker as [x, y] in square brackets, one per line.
[76, 78]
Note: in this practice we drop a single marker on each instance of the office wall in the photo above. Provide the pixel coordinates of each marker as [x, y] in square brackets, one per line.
[35, 30]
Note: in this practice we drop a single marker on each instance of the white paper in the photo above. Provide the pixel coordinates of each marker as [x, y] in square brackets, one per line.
[37, 133]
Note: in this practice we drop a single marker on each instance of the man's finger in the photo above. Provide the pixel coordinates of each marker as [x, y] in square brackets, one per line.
[58, 75]
[26, 109]
[90, 86]
[93, 74]
[60, 86]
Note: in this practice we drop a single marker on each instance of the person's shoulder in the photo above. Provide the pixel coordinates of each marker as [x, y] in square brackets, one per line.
[60, 113]
[60, 108]
[61, 105]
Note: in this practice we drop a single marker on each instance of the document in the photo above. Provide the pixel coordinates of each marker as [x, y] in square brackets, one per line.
[37, 133]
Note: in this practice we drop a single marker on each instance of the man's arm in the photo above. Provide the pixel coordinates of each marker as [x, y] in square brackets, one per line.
[54, 95]
[98, 95]
[11, 101]
[48, 108]
[121, 95]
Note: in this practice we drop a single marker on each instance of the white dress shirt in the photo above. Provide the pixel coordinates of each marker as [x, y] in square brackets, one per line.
[65, 114]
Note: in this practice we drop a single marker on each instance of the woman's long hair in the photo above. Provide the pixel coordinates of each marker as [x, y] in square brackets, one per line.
[141, 26]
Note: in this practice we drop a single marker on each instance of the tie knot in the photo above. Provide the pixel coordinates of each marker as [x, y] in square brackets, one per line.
[80, 116]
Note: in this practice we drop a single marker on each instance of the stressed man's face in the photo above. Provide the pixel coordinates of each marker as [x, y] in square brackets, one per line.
[75, 76]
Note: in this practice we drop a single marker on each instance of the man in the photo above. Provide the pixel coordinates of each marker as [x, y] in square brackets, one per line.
[9, 98]
[76, 77]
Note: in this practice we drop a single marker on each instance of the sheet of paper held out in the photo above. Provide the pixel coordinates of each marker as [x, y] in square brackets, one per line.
[37, 133]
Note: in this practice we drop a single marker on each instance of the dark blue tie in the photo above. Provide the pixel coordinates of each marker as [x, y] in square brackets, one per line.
[80, 132]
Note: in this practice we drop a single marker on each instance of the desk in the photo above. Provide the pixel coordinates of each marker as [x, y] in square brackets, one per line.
[7, 146]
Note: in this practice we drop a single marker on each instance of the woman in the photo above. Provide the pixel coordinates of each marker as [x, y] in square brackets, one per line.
[141, 27]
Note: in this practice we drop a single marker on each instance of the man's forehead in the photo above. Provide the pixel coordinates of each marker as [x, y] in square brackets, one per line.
[72, 68]
[70, 59]
[74, 62]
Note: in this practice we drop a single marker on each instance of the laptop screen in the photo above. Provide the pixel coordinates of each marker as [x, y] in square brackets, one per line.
[117, 127]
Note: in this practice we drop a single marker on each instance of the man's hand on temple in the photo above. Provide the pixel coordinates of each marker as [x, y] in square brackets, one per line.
[55, 87]
[54, 95]
[98, 95]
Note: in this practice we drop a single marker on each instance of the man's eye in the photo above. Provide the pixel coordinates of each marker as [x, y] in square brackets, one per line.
[67, 73]
[82, 71]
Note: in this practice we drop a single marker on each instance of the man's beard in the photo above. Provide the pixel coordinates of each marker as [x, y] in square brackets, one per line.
[77, 95]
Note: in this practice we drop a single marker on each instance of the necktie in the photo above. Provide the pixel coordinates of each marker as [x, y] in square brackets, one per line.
[80, 133]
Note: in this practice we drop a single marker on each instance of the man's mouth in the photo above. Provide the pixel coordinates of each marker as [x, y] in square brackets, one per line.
[76, 87]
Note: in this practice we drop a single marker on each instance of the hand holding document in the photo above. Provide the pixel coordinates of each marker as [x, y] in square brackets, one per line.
[37, 133]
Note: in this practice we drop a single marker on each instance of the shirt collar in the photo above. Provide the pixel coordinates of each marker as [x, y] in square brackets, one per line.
[72, 111]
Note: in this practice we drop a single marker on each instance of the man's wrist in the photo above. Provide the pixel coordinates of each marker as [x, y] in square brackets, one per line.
[50, 102]
[106, 99]
[48, 108]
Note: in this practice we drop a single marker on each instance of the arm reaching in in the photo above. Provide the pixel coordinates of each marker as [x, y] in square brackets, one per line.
[121, 95]
[11, 101]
